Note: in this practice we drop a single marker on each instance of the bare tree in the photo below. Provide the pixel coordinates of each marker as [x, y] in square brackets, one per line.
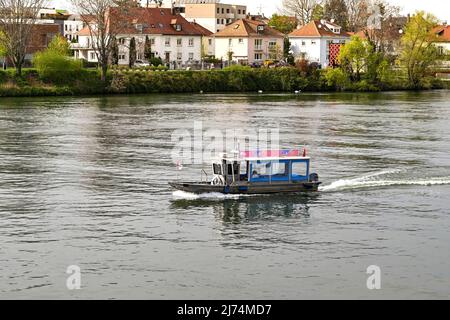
[17, 20]
[105, 19]
[358, 14]
[96, 15]
[302, 9]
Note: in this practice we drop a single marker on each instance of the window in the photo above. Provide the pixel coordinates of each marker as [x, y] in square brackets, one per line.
[223, 10]
[179, 42]
[179, 56]
[299, 170]
[167, 42]
[210, 42]
[122, 41]
[230, 42]
[222, 21]
[272, 44]
[258, 56]
[218, 21]
[228, 10]
[239, 11]
[152, 41]
[313, 42]
[260, 169]
[280, 169]
[218, 10]
[178, 27]
[65, 27]
[217, 169]
[258, 44]
[191, 42]
[191, 56]
[303, 43]
[241, 41]
[93, 56]
[243, 11]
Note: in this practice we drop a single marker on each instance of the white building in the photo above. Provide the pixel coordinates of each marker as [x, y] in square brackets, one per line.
[172, 38]
[248, 41]
[71, 27]
[211, 14]
[318, 41]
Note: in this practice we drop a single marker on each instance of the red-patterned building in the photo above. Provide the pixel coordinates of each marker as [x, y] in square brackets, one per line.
[319, 41]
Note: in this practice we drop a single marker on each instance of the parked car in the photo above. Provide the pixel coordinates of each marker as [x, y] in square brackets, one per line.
[256, 64]
[141, 63]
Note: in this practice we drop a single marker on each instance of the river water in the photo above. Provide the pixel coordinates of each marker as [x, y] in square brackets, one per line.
[83, 181]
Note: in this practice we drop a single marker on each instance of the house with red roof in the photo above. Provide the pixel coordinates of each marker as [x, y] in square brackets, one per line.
[442, 38]
[319, 41]
[175, 40]
[248, 41]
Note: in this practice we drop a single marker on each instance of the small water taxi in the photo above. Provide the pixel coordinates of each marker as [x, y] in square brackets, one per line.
[256, 172]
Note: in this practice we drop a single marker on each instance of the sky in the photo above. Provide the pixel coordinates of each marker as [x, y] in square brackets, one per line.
[440, 8]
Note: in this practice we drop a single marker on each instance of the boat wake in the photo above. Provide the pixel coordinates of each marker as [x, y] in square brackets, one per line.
[376, 180]
[208, 196]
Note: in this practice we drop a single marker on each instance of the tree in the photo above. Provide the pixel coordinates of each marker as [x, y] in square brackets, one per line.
[55, 65]
[147, 49]
[382, 26]
[317, 13]
[17, 20]
[132, 52]
[114, 52]
[302, 9]
[418, 53]
[284, 24]
[337, 10]
[358, 14]
[354, 57]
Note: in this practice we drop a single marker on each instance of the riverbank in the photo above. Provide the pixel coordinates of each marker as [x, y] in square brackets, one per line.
[237, 79]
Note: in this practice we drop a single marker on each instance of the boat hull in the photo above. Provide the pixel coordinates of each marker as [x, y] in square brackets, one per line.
[255, 188]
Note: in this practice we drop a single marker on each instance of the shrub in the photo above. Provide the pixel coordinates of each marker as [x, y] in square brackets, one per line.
[56, 68]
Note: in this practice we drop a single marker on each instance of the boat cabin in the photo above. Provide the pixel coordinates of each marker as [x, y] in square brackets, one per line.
[262, 167]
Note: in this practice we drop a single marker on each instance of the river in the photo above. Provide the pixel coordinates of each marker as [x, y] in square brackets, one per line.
[83, 181]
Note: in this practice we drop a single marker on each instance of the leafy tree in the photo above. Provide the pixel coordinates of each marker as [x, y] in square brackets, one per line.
[287, 54]
[354, 57]
[283, 23]
[148, 49]
[132, 52]
[337, 10]
[59, 45]
[318, 12]
[418, 53]
[54, 64]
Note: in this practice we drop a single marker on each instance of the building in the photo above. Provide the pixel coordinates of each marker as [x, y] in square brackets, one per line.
[176, 41]
[211, 14]
[442, 39]
[208, 46]
[318, 41]
[248, 41]
[72, 26]
[53, 16]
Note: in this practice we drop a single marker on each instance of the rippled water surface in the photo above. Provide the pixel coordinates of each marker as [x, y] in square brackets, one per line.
[83, 181]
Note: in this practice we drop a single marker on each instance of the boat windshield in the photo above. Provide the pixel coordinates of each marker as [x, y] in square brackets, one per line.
[279, 170]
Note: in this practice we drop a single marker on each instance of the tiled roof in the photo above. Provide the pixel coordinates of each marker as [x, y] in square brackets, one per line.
[247, 28]
[442, 33]
[201, 29]
[316, 29]
[150, 21]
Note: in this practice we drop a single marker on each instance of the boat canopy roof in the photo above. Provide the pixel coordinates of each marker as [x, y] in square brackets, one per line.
[266, 155]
